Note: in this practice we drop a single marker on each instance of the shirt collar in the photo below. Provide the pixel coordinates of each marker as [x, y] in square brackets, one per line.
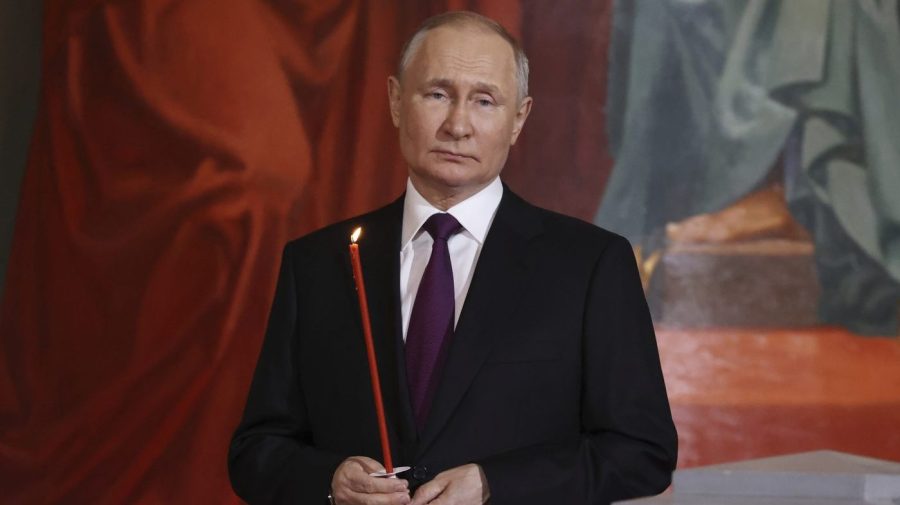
[475, 213]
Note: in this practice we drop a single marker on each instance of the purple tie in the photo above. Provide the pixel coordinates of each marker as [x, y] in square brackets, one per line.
[431, 321]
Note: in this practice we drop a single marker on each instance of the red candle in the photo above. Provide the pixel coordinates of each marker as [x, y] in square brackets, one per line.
[370, 349]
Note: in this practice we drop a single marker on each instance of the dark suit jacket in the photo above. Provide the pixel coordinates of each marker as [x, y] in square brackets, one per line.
[552, 383]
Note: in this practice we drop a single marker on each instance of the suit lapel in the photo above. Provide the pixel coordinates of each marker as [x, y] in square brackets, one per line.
[500, 275]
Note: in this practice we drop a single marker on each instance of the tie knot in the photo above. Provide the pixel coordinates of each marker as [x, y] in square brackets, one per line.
[442, 226]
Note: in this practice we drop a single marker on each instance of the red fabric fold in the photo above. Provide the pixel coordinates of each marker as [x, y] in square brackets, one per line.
[179, 145]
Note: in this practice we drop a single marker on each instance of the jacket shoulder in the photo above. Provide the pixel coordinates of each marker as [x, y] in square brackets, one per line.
[572, 232]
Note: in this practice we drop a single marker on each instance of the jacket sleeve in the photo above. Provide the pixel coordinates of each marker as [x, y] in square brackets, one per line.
[628, 444]
[271, 458]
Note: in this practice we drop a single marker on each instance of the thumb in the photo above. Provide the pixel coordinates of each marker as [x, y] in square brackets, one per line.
[369, 464]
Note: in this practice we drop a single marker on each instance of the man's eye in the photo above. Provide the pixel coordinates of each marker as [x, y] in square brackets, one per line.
[437, 95]
[484, 102]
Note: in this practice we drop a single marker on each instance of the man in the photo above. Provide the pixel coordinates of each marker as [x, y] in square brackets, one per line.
[516, 353]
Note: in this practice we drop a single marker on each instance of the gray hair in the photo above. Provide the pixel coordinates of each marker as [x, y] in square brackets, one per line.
[471, 19]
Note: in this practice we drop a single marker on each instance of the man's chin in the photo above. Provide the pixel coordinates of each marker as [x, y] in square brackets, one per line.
[451, 177]
[452, 188]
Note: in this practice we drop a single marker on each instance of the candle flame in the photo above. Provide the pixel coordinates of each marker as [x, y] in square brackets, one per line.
[356, 233]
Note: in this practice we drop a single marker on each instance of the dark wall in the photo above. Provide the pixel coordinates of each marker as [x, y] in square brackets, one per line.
[20, 58]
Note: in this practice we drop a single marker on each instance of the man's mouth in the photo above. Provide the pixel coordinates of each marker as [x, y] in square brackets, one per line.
[453, 155]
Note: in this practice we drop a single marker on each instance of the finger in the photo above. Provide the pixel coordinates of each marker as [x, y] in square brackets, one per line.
[428, 492]
[364, 483]
[354, 498]
[351, 476]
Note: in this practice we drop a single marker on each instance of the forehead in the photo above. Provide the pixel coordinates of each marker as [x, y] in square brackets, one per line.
[463, 54]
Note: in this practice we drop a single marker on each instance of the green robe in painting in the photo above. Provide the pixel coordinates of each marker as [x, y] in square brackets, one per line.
[705, 95]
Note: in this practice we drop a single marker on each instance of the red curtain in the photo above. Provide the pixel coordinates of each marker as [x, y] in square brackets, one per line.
[179, 145]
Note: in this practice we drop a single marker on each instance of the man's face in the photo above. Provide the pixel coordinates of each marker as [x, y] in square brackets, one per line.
[457, 111]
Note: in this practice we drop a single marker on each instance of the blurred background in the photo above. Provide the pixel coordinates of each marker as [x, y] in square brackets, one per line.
[157, 154]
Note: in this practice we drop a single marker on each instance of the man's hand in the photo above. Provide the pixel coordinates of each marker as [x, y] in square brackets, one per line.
[463, 485]
[352, 484]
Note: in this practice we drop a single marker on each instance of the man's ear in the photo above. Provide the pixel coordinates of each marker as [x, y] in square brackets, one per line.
[394, 99]
[519, 120]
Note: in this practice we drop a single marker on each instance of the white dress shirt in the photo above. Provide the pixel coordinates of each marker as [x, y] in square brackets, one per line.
[475, 214]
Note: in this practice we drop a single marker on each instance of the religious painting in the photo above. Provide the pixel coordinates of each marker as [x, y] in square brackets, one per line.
[756, 173]
[157, 156]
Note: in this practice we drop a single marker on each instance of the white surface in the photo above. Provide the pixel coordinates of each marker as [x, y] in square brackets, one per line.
[811, 478]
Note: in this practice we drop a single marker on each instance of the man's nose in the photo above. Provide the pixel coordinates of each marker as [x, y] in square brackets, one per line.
[458, 124]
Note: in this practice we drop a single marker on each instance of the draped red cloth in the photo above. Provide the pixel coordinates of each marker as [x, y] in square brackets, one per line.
[179, 145]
